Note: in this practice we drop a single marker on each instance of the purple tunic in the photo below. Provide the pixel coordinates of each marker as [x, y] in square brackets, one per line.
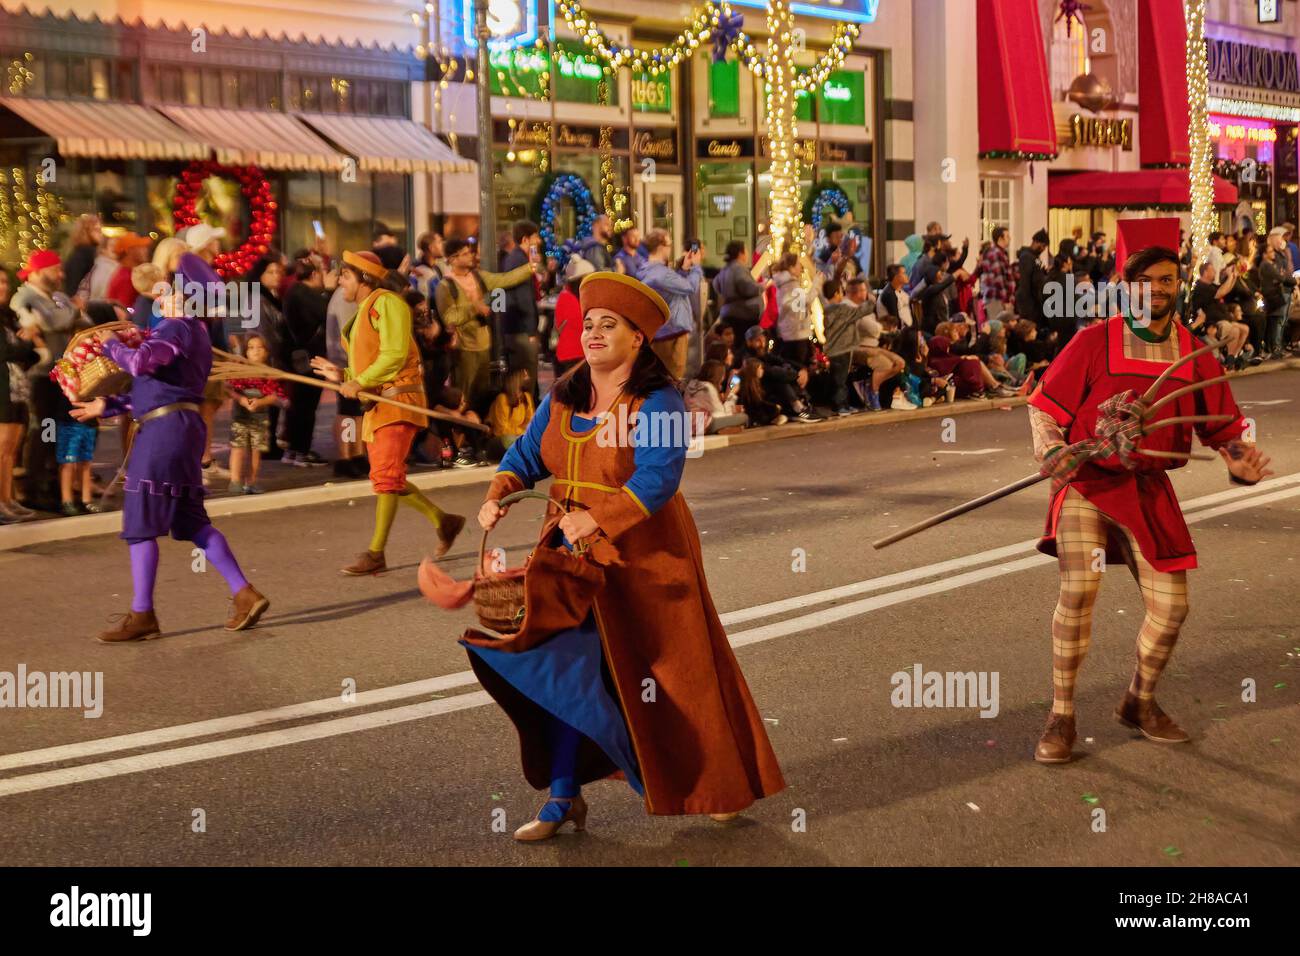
[164, 475]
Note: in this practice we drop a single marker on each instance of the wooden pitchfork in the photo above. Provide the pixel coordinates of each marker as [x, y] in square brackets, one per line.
[230, 366]
[1142, 410]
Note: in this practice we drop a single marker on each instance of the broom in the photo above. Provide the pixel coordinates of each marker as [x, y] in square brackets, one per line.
[230, 366]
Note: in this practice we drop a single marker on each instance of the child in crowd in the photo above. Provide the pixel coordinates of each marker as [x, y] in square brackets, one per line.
[709, 397]
[757, 407]
[453, 402]
[250, 422]
[511, 412]
[75, 447]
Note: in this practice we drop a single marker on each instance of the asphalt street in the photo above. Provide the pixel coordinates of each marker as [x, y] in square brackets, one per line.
[418, 769]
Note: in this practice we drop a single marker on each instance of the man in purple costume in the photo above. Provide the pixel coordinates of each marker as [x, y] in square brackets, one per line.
[164, 479]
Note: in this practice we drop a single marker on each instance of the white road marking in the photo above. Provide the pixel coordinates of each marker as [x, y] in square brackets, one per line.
[1271, 401]
[977, 451]
[1227, 502]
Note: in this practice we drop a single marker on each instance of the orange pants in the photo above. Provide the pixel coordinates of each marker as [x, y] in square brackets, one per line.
[388, 453]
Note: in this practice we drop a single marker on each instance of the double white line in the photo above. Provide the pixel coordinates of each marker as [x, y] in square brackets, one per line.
[935, 579]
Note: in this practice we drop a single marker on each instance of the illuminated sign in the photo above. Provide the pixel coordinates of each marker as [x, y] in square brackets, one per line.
[836, 92]
[511, 23]
[1242, 64]
[1101, 132]
[1252, 134]
[849, 11]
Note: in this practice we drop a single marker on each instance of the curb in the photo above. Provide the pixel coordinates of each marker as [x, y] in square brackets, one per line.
[25, 534]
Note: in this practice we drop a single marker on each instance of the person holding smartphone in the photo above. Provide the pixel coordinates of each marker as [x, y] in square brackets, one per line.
[679, 287]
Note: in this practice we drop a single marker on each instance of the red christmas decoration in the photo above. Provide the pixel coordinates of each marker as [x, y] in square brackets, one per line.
[261, 204]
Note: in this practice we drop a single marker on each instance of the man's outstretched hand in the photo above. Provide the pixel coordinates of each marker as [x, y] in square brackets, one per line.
[1246, 464]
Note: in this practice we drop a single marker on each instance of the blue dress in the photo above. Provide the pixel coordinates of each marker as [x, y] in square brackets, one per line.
[566, 675]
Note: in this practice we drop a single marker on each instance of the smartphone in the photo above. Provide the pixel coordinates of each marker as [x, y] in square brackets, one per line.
[316, 227]
[694, 246]
[735, 381]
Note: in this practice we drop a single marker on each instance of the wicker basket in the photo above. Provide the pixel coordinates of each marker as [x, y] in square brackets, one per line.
[97, 378]
[499, 596]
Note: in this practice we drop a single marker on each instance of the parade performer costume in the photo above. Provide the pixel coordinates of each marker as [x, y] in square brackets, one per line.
[164, 475]
[648, 685]
[1123, 502]
[383, 357]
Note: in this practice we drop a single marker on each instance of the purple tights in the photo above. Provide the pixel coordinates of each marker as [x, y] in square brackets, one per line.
[144, 565]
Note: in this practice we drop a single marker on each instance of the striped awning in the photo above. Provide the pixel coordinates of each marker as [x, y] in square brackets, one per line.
[257, 137]
[107, 130]
[388, 145]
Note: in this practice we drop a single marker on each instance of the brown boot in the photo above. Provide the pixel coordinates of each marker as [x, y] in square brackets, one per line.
[1147, 717]
[367, 562]
[1057, 743]
[249, 605]
[133, 626]
[447, 531]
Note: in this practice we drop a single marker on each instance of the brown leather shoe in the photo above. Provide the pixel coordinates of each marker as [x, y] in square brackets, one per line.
[536, 830]
[1153, 723]
[1057, 743]
[367, 562]
[447, 532]
[249, 605]
[131, 626]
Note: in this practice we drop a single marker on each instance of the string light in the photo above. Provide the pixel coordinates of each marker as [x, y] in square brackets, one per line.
[1199, 170]
[784, 214]
[20, 76]
[27, 223]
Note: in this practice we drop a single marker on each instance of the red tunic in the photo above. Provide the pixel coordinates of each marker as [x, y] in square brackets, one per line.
[1104, 360]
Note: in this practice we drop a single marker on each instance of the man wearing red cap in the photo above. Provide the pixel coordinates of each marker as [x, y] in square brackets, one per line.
[384, 358]
[42, 305]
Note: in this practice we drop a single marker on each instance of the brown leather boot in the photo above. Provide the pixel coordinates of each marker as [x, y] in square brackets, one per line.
[249, 605]
[367, 562]
[132, 626]
[447, 531]
[1147, 717]
[1057, 743]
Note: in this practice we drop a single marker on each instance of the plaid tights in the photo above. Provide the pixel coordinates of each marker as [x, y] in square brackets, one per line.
[1081, 531]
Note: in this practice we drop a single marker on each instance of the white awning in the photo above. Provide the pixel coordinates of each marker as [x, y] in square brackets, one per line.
[388, 145]
[257, 137]
[107, 130]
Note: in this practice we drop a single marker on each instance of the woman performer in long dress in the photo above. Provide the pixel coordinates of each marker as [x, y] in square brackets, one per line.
[648, 685]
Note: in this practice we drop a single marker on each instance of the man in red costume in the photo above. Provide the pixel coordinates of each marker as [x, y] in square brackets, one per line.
[1116, 498]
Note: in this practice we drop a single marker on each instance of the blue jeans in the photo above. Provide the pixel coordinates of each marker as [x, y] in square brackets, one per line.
[1276, 329]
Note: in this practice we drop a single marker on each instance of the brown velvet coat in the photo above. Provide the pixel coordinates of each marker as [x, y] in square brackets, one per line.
[701, 744]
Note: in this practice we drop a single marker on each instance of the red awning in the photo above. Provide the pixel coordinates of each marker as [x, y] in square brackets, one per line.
[1162, 83]
[1141, 189]
[1015, 99]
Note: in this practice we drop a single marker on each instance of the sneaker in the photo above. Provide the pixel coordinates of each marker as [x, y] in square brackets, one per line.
[70, 509]
[290, 458]
[465, 461]
[844, 411]
[236, 488]
[91, 507]
[873, 399]
[253, 490]
[808, 417]
[310, 459]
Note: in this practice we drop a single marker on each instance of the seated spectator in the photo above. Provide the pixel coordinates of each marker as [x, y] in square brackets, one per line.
[753, 397]
[884, 365]
[466, 443]
[966, 372]
[719, 352]
[783, 383]
[710, 395]
[510, 413]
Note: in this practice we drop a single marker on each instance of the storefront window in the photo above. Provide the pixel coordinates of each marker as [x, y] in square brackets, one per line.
[856, 183]
[342, 208]
[579, 77]
[724, 207]
[724, 89]
[842, 99]
[515, 182]
[391, 204]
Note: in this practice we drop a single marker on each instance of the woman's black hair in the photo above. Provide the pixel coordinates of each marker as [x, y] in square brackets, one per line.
[649, 374]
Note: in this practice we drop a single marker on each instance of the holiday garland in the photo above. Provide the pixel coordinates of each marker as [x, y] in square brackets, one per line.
[827, 192]
[261, 204]
[556, 188]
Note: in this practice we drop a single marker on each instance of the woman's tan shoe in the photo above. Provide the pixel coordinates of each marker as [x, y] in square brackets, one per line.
[545, 829]
[724, 817]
